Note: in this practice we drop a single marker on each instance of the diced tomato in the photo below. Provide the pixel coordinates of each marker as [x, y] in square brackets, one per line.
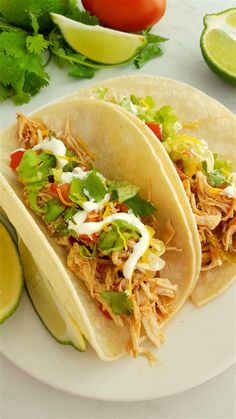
[155, 129]
[65, 189]
[105, 312]
[53, 188]
[121, 207]
[89, 238]
[16, 157]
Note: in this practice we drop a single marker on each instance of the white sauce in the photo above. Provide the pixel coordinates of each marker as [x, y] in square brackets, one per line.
[229, 191]
[91, 205]
[56, 147]
[139, 248]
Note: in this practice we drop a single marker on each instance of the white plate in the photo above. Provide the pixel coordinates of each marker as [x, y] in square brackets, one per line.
[200, 344]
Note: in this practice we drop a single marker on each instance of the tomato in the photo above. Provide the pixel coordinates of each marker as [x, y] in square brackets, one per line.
[89, 239]
[127, 15]
[16, 157]
[155, 129]
[53, 188]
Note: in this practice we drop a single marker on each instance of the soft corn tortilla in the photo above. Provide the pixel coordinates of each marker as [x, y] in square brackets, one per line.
[215, 123]
[122, 152]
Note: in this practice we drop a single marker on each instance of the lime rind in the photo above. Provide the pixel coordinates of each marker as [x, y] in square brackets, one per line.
[4, 220]
[224, 74]
[38, 290]
[12, 306]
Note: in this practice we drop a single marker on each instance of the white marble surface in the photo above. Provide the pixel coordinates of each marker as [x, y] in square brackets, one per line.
[23, 397]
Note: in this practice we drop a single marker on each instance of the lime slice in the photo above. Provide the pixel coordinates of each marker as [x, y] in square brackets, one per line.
[99, 44]
[11, 274]
[218, 44]
[4, 220]
[52, 313]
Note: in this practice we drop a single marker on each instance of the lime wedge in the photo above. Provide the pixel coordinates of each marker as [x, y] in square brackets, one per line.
[4, 220]
[11, 274]
[50, 310]
[99, 44]
[218, 44]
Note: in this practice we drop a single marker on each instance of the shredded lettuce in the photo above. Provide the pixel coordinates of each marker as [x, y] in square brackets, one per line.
[86, 253]
[54, 208]
[35, 167]
[32, 190]
[76, 193]
[124, 190]
[191, 152]
[95, 186]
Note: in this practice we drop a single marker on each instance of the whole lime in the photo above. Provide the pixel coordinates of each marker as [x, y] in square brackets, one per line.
[17, 12]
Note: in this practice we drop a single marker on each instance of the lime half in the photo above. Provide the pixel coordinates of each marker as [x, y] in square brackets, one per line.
[51, 311]
[11, 274]
[218, 44]
[99, 44]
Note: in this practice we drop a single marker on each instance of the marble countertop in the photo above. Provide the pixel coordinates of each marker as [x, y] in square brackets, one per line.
[22, 396]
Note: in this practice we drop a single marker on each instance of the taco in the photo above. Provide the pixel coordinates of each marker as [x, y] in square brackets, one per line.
[198, 135]
[77, 183]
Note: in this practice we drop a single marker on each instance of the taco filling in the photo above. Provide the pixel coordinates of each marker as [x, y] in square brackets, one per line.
[105, 227]
[209, 182]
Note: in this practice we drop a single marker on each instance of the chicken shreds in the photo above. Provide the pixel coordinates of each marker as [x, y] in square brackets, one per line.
[215, 215]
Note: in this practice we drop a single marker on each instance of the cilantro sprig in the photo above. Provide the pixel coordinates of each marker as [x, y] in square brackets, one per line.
[22, 72]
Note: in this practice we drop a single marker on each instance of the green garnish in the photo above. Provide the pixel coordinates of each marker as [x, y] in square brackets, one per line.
[151, 50]
[95, 186]
[124, 190]
[76, 193]
[119, 302]
[86, 253]
[110, 241]
[221, 173]
[35, 167]
[32, 190]
[140, 207]
[54, 208]
[22, 73]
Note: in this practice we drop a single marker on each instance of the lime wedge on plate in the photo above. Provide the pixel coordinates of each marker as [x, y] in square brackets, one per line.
[11, 274]
[218, 44]
[99, 44]
[50, 310]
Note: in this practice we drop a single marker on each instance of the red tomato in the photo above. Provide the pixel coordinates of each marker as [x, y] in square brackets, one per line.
[53, 188]
[127, 15]
[16, 157]
[89, 239]
[155, 129]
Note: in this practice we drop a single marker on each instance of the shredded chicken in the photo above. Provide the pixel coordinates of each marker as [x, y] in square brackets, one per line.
[151, 296]
[215, 215]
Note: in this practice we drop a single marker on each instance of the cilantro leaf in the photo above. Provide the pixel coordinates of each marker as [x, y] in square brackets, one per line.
[82, 16]
[81, 72]
[22, 73]
[140, 207]
[119, 302]
[36, 44]
[151, 50]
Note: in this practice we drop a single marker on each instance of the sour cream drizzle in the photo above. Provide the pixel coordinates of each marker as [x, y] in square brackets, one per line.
[58, 149]
[80, 227]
